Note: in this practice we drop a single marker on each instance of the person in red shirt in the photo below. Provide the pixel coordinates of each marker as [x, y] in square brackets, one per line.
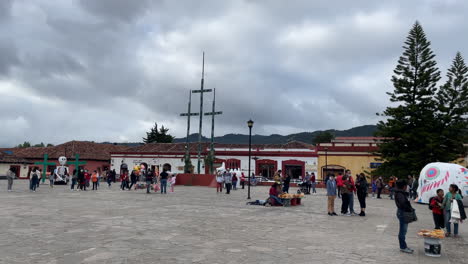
[274, 193]
[437, 209]
[339, 183]
[242, 180]
[87, 176]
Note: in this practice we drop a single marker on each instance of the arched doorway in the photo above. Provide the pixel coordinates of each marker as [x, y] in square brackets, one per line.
[335, 169]
[167, 167]
[266, 168]
[295, 168]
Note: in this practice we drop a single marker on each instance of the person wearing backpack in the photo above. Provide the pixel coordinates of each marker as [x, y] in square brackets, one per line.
[435, 205]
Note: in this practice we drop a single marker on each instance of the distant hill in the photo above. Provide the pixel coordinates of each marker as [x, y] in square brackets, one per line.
[306, 137]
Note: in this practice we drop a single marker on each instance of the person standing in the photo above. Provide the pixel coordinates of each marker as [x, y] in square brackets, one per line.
[219, 182]
[228, 181]
[163, 179]
[109, 179]
[242, 180]
[374, 188]
[124, 181]
[345, 190]
[74, 180]
[149, 180]
[81, 180]
[34, 179]
[172, 182]
[11, 175]
[404, 206]
[331, 194]
[52, 178]
[351, 193]
[380, 186]
[339, 183]
[313, 183]
[449, 199]
[234, 181]
[435, 203]
[391, 187]
[362, 186]
[87, 176]
[286, 182]
[94, 179]
[99, 173]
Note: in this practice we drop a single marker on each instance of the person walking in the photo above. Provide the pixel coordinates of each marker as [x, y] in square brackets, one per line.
[163, 179]
[11, 175]
[286, 182]
[124, 181]
[219, 182]
[435, 204]
[99, 173]
[362, 187]
[109, 179]
[345, 190]
[133, 179]
[34, 179]
[380, 186]
[449, 199]
[331, 194]
[228, 181]
[404, 206]
[172, 182]
[87, 176]
[242, 180]
[234, 181]
[94, 179]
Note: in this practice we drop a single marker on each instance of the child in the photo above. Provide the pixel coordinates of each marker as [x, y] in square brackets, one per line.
[374, 188]
[172, 182]
[435, 204]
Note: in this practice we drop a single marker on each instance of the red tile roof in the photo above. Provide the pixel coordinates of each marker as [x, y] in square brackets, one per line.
[12, 159]
[87, 150]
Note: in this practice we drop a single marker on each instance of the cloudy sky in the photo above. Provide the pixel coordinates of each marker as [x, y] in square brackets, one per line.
[107, 70]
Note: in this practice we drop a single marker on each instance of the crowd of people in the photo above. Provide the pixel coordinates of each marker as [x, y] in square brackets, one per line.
[342, 186]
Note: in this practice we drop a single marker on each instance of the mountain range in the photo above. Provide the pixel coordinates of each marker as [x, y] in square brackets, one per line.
[306, 137]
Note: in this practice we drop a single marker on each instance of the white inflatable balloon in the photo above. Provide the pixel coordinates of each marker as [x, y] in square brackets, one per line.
[222, 168]
[440, 175]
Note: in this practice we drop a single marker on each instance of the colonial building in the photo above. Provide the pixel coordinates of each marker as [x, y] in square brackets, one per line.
[8, 160]
[294, 158]
[96, 156]
[353, 153]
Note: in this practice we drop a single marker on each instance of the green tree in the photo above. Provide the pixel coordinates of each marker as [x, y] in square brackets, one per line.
[411, 139]
[156, 135]
[26, 144]
[323, 137]
[452, 113]
[50, 145]
[41, 145]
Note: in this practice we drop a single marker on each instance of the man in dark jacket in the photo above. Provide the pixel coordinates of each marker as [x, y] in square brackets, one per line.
[403, 204]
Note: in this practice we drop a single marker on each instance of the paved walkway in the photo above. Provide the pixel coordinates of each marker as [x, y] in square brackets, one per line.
[197, 225]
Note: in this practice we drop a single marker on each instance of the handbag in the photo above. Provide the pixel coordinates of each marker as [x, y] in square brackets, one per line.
[409, 217]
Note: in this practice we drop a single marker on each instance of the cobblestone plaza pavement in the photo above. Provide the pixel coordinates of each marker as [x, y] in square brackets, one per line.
[197, 225]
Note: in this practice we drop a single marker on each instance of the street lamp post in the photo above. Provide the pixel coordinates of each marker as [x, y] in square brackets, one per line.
[250, 125]
[326, 162]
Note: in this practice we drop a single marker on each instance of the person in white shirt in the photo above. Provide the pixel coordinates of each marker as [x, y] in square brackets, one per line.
[219, 182]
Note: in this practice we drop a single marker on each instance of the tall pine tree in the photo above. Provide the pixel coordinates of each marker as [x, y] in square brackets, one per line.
[409, 125]
[452, 113]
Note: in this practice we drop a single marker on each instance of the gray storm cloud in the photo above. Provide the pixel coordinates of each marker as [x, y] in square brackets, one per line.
[107, 70]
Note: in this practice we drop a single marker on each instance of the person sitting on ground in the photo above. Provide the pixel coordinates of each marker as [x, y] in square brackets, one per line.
[274, 193]
[435, 204]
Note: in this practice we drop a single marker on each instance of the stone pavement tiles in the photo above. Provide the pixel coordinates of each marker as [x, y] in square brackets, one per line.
[197, 225]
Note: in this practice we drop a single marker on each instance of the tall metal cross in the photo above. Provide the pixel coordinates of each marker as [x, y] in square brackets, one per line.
[77, 163]
[213, 113]
[188, 115]
[201, 91]
[44, 164]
